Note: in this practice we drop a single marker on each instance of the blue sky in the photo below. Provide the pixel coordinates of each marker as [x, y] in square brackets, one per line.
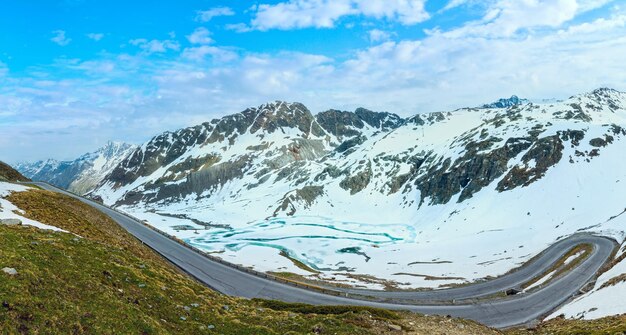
[76, 73]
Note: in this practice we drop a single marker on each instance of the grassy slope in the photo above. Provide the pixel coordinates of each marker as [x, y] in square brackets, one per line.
[106, 282]
[608, 325]
[7, 173]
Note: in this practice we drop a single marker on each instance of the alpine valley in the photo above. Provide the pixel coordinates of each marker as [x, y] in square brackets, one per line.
[371, 199]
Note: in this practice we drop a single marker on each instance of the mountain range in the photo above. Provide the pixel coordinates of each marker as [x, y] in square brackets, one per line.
[82, 174]
[371, 198]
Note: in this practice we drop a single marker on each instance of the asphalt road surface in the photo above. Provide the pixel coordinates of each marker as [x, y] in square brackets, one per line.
[514, 310]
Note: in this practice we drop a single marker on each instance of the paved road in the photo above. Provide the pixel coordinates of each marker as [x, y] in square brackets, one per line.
[512, 280]
[503, 312]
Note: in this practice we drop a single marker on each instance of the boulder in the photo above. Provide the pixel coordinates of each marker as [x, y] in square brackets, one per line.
[395, 328]
[9, 271]
[11, 222]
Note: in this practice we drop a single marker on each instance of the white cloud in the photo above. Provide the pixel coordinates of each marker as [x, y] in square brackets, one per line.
[542, 57]
[201, 52]
[208, 15]
[407, 12]
[587, 5]
[377, 35]
[200, 36]
[60, 38]
[95, 36]
[508, 17]
[454, 4]
[295, 14]
[238, 27]
[155, 46]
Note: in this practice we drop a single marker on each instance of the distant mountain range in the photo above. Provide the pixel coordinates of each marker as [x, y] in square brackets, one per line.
[7, 173]
[82, 174]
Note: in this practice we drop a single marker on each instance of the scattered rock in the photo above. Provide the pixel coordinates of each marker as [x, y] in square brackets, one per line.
[9, 271]
[210, 327]
[395, 327]
[318, 329]
[226, 308]
[11, 222]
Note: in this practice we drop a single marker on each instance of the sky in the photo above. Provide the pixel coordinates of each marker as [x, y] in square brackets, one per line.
[77, 73]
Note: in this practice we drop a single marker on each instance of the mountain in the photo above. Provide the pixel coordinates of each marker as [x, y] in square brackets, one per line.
[7, 173]
[274, 138]
[504, 103]
[372, 199]
[82, 174]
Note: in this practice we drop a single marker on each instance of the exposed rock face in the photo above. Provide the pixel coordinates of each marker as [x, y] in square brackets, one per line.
[357, 182]
[478, 167]
[301, 197]
[544, 153]
[349, 124]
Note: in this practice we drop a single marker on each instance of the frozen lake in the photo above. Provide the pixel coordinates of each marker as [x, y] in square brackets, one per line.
[318, 242]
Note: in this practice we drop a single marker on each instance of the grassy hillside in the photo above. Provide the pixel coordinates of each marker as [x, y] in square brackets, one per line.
[7, 173]
[608, 325]
[106, 282]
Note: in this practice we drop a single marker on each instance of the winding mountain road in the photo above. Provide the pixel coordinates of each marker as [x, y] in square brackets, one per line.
[496, 312]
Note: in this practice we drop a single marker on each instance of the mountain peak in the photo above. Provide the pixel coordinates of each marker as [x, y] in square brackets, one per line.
[281, 114]
[605, 90]
[605, 93]
[113, 147]
[514, 100]
[603, 96]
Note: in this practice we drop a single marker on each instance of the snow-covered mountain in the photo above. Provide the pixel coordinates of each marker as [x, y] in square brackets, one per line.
[376, 200]
[82, 174]
[514, 100]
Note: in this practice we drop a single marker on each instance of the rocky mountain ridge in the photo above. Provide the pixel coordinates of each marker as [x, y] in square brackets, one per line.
[283, 141]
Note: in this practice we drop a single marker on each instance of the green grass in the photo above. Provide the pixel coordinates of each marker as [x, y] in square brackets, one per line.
[605, 326]
[326, 310]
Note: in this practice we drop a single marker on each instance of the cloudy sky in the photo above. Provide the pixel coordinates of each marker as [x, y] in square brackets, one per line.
[76, 73]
